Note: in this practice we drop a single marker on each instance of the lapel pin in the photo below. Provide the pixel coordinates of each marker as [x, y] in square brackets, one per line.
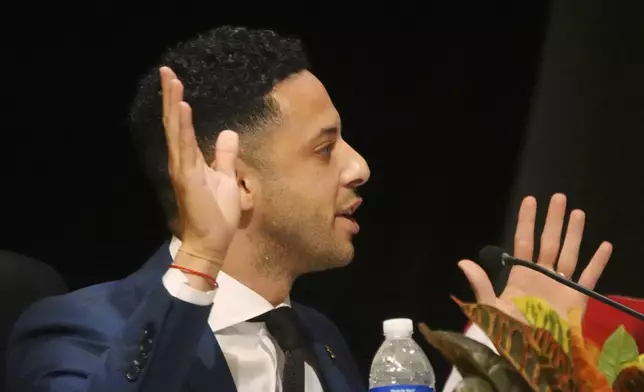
[329, 351]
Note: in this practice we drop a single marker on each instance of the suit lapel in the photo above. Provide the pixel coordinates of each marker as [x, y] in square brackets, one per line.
[334, 379]
[209, 370]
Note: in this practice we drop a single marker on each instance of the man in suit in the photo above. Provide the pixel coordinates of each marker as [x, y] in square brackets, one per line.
[251, 210]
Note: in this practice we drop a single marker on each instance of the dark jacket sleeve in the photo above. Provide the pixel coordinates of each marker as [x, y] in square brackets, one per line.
[105, 340]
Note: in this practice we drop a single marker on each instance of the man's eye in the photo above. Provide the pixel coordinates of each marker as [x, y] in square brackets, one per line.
[327, 149]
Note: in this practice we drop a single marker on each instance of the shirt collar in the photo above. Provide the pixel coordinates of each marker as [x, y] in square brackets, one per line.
[233, 302]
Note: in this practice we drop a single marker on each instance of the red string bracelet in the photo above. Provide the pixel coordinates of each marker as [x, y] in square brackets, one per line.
[197, 273]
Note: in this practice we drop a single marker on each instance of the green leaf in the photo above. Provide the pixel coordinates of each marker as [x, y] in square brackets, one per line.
[619, 349]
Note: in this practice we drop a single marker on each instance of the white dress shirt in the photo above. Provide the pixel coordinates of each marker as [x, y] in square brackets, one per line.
[254, 358]
[476, 333]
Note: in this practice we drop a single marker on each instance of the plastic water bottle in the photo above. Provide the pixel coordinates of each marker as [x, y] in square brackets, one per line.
[400, 365]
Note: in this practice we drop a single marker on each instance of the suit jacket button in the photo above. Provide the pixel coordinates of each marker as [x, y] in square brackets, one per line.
[141, 362]
[133, 373]
[146, 346]
[149, 331]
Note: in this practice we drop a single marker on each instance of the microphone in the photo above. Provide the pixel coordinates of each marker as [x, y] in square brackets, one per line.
[496, 259]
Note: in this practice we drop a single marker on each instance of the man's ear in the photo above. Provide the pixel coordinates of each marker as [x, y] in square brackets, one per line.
[247, 182]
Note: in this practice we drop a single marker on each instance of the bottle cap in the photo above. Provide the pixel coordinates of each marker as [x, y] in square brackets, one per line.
[398, 327]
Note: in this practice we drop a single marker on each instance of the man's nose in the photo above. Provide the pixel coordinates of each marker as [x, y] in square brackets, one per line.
[356, 171]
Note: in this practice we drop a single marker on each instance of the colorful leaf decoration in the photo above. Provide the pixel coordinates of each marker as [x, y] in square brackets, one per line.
[554, 357]
[630, 379]
[619, 349]
[587, 375]
[593, 351]
[533, 352]
[539, 314]
[476, 360]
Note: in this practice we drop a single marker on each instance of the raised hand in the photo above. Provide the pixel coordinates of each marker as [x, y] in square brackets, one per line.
[207, 196]
[525, 282]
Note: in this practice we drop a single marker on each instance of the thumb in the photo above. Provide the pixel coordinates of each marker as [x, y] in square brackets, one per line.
[226, 151]
[480, 283]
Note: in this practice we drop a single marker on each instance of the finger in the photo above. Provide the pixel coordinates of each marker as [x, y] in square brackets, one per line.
[596, 266]
[524, 235]
[167, 75]
[551, 236]
[226, 151]
[173, 128]
[189, 153]
[570, 250]
[481, 285]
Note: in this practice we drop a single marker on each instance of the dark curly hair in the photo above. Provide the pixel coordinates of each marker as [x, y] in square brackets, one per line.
[228, 73]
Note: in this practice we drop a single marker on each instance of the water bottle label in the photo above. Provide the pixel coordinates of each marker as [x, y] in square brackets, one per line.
[403, 388]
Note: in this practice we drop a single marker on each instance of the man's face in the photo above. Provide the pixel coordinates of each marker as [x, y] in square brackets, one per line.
[309, 189]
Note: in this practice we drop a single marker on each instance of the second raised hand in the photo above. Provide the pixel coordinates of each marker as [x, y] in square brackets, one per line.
[524, 281]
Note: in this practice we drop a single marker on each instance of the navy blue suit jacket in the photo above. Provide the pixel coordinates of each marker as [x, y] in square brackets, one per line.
[131, 335]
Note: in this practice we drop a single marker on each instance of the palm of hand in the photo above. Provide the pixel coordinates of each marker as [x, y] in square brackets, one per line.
[225, 192]
[226, 209]
[525, 282]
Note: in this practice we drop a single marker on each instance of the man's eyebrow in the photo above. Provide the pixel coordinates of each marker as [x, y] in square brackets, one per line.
[328, 131]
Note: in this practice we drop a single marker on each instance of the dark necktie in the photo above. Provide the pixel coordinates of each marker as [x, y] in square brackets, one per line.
[286, 328]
